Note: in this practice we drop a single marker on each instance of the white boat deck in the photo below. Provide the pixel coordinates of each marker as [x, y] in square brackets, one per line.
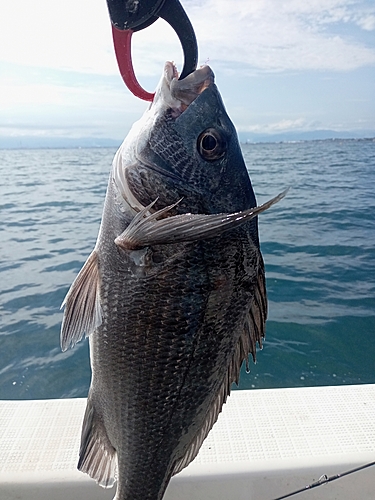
[265, 444]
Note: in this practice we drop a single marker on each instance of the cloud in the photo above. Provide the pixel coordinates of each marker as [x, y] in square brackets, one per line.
[367, 22]
[71, 35]
[266, 35]
[284, 125]
[60, 68]
[63, 110]
[293, 35]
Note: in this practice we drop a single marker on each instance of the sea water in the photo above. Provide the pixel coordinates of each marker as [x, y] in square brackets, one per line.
[318, 245]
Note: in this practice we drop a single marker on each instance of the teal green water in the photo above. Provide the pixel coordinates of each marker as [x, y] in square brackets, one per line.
[318, 245]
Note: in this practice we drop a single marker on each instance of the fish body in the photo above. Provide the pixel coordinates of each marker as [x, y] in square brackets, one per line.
[173, 295]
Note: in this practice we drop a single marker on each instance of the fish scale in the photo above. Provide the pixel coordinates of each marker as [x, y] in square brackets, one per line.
[173, 295]
[145, 423]
[176, 332]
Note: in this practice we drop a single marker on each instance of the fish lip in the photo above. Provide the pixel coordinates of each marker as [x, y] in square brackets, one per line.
[170, 71]
[188, 89]
[177, 94]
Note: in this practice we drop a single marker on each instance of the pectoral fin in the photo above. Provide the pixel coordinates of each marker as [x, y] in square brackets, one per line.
[145, 230]
[83, 311]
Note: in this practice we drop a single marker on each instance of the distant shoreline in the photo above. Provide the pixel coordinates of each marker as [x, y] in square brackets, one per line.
[30, 142]
[335, 139]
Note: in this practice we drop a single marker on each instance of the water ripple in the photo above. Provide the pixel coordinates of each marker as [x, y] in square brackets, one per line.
[318, 246]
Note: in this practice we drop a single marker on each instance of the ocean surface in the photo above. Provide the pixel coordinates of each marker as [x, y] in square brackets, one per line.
[318, 245]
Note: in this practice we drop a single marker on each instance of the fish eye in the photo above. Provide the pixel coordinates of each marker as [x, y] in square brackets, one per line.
[211, 144]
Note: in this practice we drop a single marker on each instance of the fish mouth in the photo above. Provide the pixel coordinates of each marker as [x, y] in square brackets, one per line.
[179, 94]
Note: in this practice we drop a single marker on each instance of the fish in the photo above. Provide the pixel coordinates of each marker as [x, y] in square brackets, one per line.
[173, 296]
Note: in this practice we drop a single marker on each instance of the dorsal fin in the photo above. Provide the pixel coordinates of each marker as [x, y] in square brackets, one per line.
[83, 311]
[253, 332]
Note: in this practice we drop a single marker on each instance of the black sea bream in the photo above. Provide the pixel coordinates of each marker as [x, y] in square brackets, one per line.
[173, 295]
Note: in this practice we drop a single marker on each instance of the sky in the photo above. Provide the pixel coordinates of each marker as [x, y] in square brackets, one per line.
[291, 65]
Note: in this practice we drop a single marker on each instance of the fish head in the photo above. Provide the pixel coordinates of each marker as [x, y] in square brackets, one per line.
[187, 137]
[211, 137]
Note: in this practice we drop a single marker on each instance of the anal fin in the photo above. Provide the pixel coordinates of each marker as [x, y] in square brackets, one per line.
[97, 457]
